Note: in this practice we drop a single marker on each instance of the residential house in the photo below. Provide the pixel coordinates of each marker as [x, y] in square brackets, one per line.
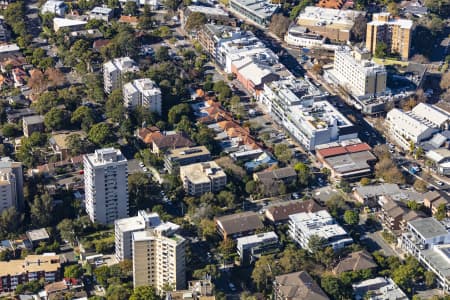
[101, 13]
[237, 225]
[297, 286]
[131, 20]
[147, 134]
[19, 77]
[55, 7]
[287, 175]
[355, 261]
[68, 24]
[163, 143]
[441, 160]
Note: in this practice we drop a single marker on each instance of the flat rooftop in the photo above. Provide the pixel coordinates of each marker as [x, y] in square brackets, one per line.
[187, 152]
[37, 235]
[262, 8]
[328, 17]
[351, 162]
[130, 224]
[439, 257]
[31, 120]
[256, 238]
[207, 10]
[32, 263]
[429, 227]
[202, 172]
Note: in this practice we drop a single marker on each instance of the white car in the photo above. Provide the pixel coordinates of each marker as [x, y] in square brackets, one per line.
[440, 183]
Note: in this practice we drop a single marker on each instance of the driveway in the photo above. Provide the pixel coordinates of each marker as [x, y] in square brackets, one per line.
[375, 241]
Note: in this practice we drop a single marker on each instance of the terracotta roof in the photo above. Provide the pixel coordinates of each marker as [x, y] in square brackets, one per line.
[240, 222]
[356, 261]
[332, 151]
[147, 135]
[358, 148]
[282, 211]
[172, 141]
[299, 286]
[128, 19]
[98, 44]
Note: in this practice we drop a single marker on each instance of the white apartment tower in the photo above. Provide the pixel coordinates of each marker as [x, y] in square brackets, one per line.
[159, 259]
[142, 92]
[113, 71]
[11, 184]
[106, 185]
[354, 70]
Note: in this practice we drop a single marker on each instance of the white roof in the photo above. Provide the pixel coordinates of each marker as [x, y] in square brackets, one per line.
[438, 155]
[256, 238]
[63, 22]
[9, 48]
[101, 10]
[254, 72]
[403, 23]
[431, 114]
[207, 10]
[130, 224]
[407, 122]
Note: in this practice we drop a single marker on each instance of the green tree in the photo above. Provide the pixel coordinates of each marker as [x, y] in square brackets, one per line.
[145, 19]
[262, 272]
[6, 255]
[420, 186]
[283, 153]
[102, 274]
[176, 112]
[10, 130]
[55, 119]
[208, 229]
[227, 248]
[316, 243]
[73, 271]
[441, 212]
[76, 144]
[251, 187]
[304, 173]
[142, 191]
[144, 293]
[83, 116]
[162, 54]
[210, 270]
[380, 50]
[118, 291]
[195, 21]
[430, 278]
[101, 134]
[67, 230]
[41, 210]
[114, 107]
[351, 217]
[130, 8]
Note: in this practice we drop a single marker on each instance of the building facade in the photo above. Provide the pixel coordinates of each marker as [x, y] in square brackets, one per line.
[32, 124]
[159, 260]
[106, 185]
[201, 178]
[257, 11]
[11, 184]
[250, 248]
[57, 8]
[355, 72]
[113, 71]
[174, 158]
[142, 93]
[394, 32]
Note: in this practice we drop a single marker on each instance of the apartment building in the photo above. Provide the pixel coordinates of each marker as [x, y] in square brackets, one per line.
[32, 124]
[113, 71]
[334, 24]
[394, 215]
[11, 184]
[299, 107]
[45, 267]
[124, 228]
[174, 158]
[142, 93]
[250, 248]
[378, 288]
[279, 213]
[417, 125]
[303, 226]
[159, 259]
[210, 36]
[396, 33]
[354, 71]
[257, 11]
[297, 286]
[214, 15]
[201, 178]
[55, 7]
[106, 185]
[428, 240]
[101, 13]
[237, 225]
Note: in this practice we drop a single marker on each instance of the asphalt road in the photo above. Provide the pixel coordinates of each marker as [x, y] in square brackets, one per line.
[375, 241]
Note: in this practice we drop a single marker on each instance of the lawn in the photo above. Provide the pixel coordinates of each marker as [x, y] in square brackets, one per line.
[390, 62]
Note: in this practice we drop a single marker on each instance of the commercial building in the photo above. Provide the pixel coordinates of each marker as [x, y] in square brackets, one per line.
[396, 33]
[237, 225]
[297, 286]
[55, 7]
[354, 71]
[299, 107]
[113, 71]
[279, 213]
[300, 36]
[441, 160]
[142, 93]
[250, 248]
[257, 11]
[159, 259]
[69, 24]
[303, 226]
[124, 228]
[210, 36]
[11, 184]
[213, 14]
[348, 160]
[428, 240]
[32, 124]
[378, 288]
[175, 158]
[101, 13]
[45, 267]
[417, 125]
[201, 178]
[334, 24]
[106, 185]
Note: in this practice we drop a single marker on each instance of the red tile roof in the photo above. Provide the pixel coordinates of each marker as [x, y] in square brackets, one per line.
[358, 148]
[333, 151]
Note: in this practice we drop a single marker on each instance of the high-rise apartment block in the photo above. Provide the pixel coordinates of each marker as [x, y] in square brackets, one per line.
[357, 73]
[106, 185]
[159, 259]
[11, 184]
[142, 92]
[113, 71]
[394, 32]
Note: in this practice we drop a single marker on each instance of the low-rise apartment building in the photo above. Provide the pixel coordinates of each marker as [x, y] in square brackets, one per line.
[101, 13]
[32, 124]
[210, 36]
[113, 71]
[378, 288]
[55, 7]
[201, 178]
[428, 240]
[212, 14]
[417, 125]
[297, 286]
[175, 158]
[279, 213]
[142, 92]
[334, 24]
[250, 248]
[257, 11]
[394, 215]
[33, 267]
[303, 226]
[396, 33]
[237, 225]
